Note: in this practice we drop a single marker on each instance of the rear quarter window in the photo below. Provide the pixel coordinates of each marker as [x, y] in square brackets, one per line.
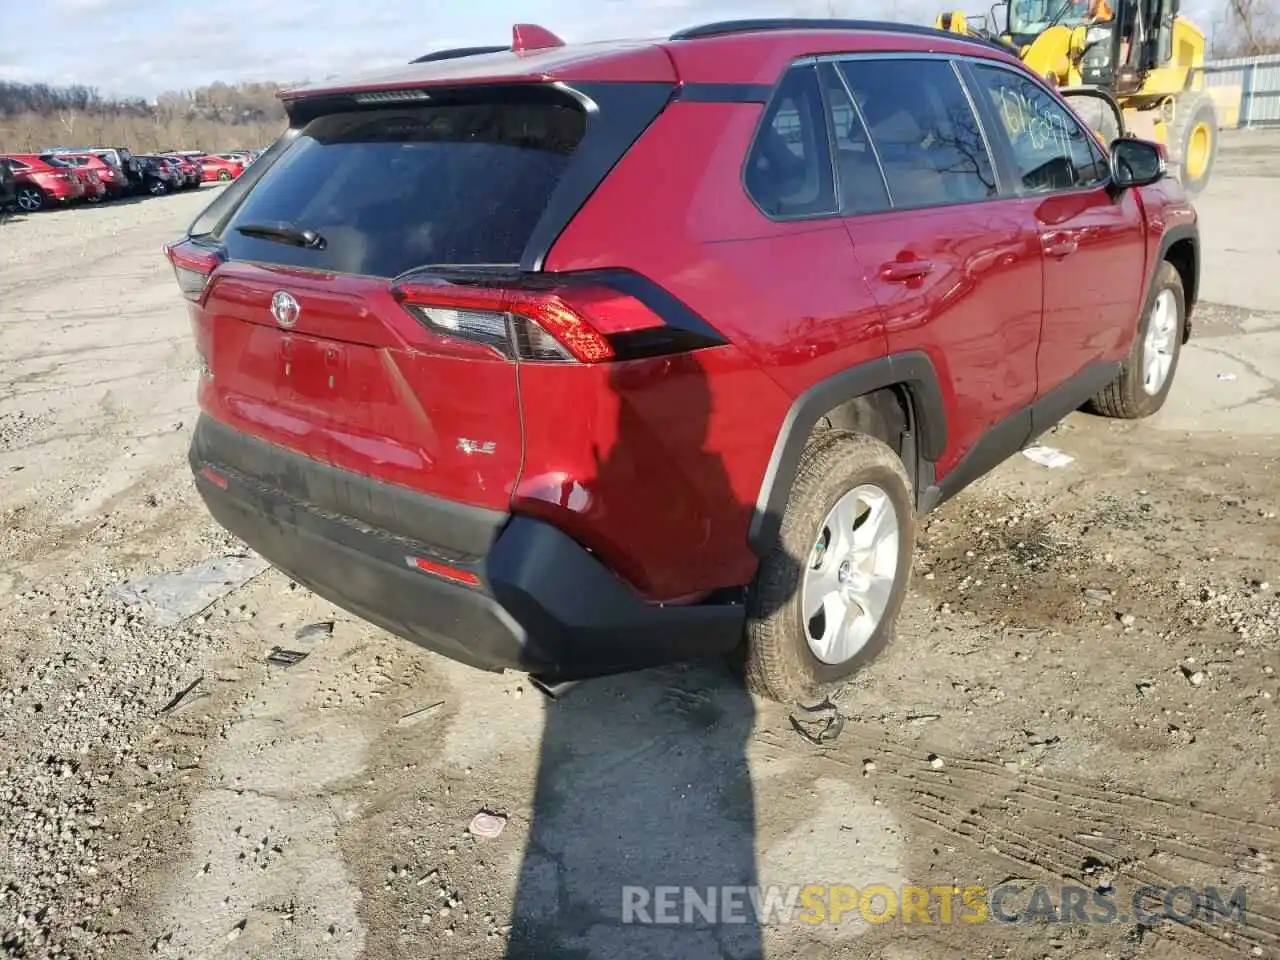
[391, 189]
[788, 170]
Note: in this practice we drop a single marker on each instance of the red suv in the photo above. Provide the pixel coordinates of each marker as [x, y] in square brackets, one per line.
[575, 360]
[111, 178]
[43, 179]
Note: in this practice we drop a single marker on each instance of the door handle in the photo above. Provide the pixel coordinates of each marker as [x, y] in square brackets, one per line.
[900, 271]
[1059, 245]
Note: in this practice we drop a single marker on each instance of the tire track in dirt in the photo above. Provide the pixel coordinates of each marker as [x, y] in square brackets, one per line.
[1074, 830]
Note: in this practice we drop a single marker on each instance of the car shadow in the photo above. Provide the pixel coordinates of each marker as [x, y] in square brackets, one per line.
[642, 837]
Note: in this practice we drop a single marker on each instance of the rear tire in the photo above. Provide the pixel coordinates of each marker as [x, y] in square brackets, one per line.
[1144, 381]
[1194, 134]
[29, 199]
[223, 175]
[823, 562]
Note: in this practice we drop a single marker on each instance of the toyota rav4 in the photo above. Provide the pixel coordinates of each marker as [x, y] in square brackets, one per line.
[580, 359]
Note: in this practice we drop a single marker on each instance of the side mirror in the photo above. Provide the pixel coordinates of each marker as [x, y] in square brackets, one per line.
[1136, 163]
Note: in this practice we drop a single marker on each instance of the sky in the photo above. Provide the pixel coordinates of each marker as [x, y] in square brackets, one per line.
[144, 47]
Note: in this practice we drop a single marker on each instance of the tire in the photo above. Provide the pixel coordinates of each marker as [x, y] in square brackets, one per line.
[781, 662]
[224, 176]
[1129, 396]
[157, 188]
[29, 199]
[1194, 134]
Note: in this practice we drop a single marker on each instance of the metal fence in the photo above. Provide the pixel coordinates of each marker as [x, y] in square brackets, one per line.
[1258, 81]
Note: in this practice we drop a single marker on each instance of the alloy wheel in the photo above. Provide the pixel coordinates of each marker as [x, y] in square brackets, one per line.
[29, 200]
[851, 573]
[1158, 345]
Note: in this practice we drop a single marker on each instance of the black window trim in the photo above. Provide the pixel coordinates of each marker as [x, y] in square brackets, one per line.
[1002, 169]
[810, 63]
[1015, 188]
[999, 148]
[866, 132]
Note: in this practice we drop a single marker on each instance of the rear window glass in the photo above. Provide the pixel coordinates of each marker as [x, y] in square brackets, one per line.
[389, 190]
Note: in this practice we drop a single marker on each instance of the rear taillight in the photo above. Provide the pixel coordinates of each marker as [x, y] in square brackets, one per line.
[192, 267]
[572, 323]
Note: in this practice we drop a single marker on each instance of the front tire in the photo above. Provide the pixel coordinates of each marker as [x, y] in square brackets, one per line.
[825, 601]
[1195, 135]
[224, 176]
[1144, 381]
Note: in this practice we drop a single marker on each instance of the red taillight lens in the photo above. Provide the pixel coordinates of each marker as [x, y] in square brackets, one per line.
[192, 267]
[560, 324]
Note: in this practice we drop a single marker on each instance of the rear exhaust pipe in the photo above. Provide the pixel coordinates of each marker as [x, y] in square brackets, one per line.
[553, 689]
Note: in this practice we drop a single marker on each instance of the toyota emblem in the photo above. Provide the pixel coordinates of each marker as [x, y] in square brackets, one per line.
[284, 308]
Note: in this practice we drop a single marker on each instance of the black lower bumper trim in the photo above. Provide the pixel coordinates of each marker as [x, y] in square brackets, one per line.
[545, 604]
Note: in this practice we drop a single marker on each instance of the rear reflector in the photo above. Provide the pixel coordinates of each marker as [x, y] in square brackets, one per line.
[192, 267]
[443, 571]
[562, 324]
[213, 476]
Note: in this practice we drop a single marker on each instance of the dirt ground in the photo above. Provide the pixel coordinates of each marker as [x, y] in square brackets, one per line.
[1083, 691]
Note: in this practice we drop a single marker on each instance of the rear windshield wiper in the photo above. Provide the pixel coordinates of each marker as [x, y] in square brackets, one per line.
[284, 233]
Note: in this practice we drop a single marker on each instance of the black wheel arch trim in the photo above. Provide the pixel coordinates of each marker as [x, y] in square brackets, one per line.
[912, 370]
[1176, 234]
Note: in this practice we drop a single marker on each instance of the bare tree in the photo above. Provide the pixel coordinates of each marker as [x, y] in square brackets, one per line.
[1246, 28]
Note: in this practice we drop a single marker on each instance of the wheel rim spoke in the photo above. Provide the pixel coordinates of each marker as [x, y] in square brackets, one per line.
[820, 584]
[1160, 342]
[847, 589]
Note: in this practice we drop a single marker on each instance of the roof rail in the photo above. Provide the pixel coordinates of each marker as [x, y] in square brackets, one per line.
[726, 27]
[458, 52]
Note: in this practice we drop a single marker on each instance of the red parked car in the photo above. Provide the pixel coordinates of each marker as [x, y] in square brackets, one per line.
[112, 178]
[101, 178]
[190, 168]
[575, 360]
[41, 180]
[219, 168]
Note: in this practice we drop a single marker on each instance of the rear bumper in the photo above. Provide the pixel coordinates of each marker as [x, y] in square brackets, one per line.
[543, 604]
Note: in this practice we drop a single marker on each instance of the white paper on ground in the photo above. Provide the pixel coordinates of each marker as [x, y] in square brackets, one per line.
[1047, 456]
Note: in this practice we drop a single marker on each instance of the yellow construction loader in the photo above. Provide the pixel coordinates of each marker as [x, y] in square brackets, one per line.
[1141, 52]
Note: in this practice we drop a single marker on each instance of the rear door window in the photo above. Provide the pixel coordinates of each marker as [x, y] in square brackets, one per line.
[788, 171]
[926, 135]
[391, 189]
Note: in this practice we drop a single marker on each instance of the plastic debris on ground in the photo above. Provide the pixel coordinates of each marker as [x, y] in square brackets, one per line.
[818, 723]
[286, 658]
[169, 598]
[305, 639]
[1047, 457]
[181, 695]
[415, 716]
[487, 826]
[1226, 376]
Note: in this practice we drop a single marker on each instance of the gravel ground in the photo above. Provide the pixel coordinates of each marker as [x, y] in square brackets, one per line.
[1082, 691]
